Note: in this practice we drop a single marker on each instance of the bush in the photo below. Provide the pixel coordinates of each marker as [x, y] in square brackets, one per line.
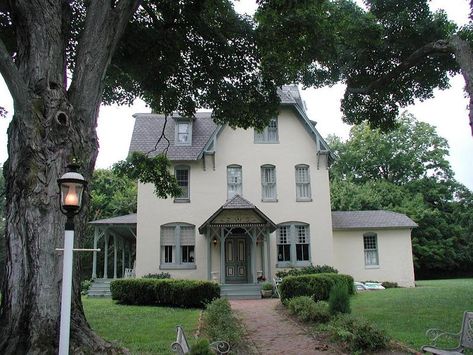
[201, 347]
[267, 286]
[339, 299]
[219, 323]
[85, 286]
[307, 310]
[164, 292]
[388, 284]
[317, 286]
[161, 275]
[357, 334]
[308, 270]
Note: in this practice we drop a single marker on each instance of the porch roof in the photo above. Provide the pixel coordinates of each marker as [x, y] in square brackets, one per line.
[238, 212]
[125, 226]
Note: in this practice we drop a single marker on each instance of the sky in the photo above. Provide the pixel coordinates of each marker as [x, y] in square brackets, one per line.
[447, 111]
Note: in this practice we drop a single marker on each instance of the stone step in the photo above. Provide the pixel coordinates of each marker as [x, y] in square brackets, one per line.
[241, 291]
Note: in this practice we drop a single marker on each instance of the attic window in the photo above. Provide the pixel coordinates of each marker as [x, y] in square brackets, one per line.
[183, 133]
[269, 134]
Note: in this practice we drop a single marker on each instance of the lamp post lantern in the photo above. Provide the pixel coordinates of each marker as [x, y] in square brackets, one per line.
[71, 185]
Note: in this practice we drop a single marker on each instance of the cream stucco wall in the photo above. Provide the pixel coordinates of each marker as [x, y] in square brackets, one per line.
[208, 192]
[394, 255]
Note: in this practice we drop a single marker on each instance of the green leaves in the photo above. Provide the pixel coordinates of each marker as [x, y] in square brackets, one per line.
[155, 170]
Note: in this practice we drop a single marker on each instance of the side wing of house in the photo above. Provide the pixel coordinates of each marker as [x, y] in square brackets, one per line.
[252, 202]
[374, 245]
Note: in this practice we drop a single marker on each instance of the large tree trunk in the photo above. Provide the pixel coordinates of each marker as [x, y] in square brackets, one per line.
[50, 126]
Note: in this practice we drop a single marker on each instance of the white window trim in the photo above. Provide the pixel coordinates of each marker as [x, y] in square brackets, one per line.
[376, 250]
[305, 198]
[263, 137]
[293, 241]
[265, 184]
[177, 248]
[176, 133]
[188, 198]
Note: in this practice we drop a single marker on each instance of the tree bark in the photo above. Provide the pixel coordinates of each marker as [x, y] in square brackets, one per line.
[50, 126]
[464, 58]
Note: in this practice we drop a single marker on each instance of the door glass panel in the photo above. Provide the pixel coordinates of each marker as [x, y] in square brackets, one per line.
[229, 250]
[241, 250]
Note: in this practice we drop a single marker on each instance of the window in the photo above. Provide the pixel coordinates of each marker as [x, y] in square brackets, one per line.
[293, 245]
[302, 243]
[268, 183]
[269, 134]
[182, 177]
[177, 246]
[284, 245]
[370, 242]
[233, 181]
[183, 133]
[302, 183]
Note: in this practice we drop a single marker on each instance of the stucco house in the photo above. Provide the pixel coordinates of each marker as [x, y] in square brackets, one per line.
[253, 203]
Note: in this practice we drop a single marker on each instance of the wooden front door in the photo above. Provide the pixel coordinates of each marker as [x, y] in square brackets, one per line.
[236, 260]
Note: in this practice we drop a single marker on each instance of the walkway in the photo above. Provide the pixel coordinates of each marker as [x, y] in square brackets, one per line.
[272, 332]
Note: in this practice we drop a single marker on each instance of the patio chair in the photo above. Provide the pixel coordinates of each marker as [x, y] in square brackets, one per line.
[465, 338]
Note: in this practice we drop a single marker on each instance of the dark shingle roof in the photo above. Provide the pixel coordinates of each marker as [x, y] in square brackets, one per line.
[127, 219]
[148, 128]
[370, 219]
[237, 202]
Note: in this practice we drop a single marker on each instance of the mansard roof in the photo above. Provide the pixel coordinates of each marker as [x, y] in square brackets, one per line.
[342, 220]
[148, 128]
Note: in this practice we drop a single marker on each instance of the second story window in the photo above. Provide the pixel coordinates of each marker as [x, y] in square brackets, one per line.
[302, 183]
[269, 134]
[234, 181]
[268, 183]
[183, 133]
[182, 177]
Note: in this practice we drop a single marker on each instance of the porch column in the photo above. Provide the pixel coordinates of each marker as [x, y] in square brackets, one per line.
[105, 256]
[123, 257]
[268, 255]
[264, 261]
[253, 255]
[177, 241]
[115, 256]
[209, 255]
[94, 255]
[222, 256]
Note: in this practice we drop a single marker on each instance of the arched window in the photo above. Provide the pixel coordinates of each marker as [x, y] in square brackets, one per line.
[293, 244]
[177, 241]
[234, 181]
[268, 183]
[182, 173]
[303, 183]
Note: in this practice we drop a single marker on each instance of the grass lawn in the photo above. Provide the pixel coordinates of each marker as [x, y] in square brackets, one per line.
[406, 313]
[141, 329]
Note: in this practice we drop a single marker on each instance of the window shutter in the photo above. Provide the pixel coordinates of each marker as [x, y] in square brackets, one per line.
[187, 235]
[167, 236]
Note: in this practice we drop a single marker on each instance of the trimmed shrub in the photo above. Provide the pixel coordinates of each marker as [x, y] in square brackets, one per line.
[161, 275]
[201, 347]
[267, 286]
[307, 310]
[317, 286]
[308, 270]
[164, 292]
[339, 299]
[219, 323]
[357, 334]
[388, 284]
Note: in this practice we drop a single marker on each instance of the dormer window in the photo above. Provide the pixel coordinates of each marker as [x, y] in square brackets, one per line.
[269, 134]
[183, 133]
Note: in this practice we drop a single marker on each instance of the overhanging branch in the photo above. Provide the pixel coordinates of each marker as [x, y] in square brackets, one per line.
[15, 83]
[437, 47]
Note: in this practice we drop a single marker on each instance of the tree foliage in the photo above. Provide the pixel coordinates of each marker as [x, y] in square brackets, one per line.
[406, 171]
[388, 55]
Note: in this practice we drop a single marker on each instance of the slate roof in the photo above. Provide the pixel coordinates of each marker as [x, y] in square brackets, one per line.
[127, 219]
[370, 219]
[237, 202]
[148, 128]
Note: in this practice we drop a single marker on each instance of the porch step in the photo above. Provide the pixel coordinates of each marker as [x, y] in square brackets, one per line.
[241, 291]
[100, 288]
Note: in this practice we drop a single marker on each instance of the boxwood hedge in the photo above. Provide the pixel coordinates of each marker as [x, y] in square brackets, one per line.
[317, 286]
[165, 292]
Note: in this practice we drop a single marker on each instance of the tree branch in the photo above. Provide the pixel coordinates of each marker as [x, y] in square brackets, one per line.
[15, 83]
[104, 26]
[437, 47]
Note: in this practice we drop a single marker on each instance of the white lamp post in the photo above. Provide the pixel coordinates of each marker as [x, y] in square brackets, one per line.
[72, 186]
